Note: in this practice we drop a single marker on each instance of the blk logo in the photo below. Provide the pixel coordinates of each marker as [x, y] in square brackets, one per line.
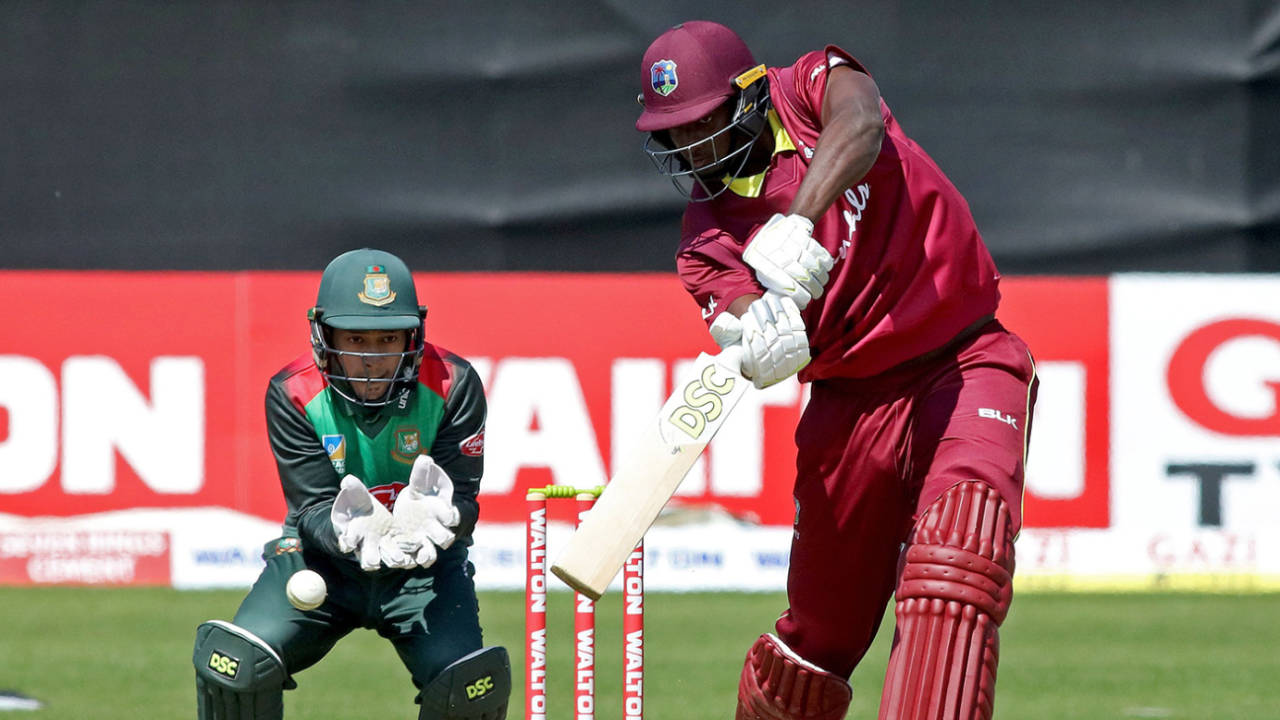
[989, 413]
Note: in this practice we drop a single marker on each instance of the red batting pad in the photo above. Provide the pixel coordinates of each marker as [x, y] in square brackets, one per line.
[954, 592]
[777, 684]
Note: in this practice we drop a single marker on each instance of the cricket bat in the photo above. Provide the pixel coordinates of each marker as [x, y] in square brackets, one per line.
[657, 463]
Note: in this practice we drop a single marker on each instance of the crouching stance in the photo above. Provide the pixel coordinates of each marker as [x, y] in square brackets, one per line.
[378, 437]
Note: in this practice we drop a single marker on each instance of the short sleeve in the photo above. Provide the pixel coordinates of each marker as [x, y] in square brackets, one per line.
[712, 270]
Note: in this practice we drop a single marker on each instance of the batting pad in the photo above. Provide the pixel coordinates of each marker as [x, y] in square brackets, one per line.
[777, 684]
[474, 687]
[955, 591]
[238, 676]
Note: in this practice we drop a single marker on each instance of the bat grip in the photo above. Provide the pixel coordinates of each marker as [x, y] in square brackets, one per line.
[731, 358]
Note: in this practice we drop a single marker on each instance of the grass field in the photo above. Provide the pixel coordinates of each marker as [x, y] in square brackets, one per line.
[107, 654]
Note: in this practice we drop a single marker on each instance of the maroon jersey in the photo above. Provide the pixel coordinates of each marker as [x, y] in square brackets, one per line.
[911, 270]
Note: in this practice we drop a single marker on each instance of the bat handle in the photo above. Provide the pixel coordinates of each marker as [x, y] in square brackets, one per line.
[731, 358]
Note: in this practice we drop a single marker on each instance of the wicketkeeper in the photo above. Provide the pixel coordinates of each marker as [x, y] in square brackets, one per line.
[379, 440]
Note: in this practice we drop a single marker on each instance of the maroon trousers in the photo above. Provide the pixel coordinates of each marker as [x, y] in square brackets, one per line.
[872, 455]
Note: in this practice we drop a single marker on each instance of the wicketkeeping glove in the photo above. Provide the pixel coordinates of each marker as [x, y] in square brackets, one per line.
[772, 336]
[360, 522]
[423, 515]
[787, 259]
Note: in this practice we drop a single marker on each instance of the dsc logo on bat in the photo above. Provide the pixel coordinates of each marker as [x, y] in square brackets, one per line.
[703, 402]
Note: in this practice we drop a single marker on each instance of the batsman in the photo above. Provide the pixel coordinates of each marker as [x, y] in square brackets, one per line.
[826, 244]
[378, 437]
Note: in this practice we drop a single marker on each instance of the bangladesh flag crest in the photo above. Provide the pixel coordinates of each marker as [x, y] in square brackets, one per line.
[377, 287]
[663, 75]
[408, 444]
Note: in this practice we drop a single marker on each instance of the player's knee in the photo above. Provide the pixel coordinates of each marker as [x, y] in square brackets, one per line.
[778, 684]
[962, 551]
[237, 674]
[474, 687]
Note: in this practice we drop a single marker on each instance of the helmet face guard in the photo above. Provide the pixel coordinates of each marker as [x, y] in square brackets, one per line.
[746, 125]
[329, 362]
[367, 290]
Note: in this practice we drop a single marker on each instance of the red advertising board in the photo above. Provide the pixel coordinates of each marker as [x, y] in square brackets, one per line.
[84, 557]
[1066, 320]
[145, 390]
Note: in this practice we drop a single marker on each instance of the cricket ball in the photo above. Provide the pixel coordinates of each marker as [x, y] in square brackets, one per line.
[306, 590]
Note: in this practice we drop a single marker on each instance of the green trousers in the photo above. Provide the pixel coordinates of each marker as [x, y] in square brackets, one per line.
[430, 615]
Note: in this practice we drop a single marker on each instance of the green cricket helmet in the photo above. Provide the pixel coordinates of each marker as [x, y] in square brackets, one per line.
[367, 290]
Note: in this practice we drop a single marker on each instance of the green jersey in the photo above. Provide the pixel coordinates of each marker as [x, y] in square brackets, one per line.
[317, 437]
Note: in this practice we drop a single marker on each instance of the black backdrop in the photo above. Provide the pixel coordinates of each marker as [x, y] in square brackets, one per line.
[1089, 137]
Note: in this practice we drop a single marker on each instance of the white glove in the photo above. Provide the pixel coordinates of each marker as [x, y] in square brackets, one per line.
[360, 522]
[787, 259]
[772, 336]
[423, 514]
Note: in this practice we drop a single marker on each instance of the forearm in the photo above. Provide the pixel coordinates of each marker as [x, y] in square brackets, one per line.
[740, 305]
[315, 528]
[468, 514]
[463, 421]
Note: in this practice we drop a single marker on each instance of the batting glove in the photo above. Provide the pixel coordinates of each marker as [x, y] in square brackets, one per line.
[360, 522]
[772, 337]
[787, 259]
[423, 514]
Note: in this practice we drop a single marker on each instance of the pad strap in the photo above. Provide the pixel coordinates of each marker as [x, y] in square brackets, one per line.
[778, 684]
[955, 591]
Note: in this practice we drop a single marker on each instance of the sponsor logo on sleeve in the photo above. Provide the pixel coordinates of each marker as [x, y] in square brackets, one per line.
[336, 447]
[474, 445]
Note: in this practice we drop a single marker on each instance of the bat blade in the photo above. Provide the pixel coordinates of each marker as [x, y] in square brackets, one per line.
[650, 474]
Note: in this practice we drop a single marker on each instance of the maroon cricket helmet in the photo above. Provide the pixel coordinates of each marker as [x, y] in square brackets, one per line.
[688, 71]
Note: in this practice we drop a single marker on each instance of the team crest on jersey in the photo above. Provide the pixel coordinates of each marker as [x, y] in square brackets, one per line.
[377, 287]
[336, 447]
[663, 76]
[474, 445]
[408, 444]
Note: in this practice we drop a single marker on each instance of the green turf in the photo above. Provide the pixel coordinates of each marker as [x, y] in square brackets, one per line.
[108, 654]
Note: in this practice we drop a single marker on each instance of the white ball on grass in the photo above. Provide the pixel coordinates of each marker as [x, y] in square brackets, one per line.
[306, 590]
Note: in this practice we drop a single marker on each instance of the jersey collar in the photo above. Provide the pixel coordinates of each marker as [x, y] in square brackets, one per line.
[751, 187]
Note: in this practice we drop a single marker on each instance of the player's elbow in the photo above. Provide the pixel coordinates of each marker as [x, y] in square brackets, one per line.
[866, 133]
